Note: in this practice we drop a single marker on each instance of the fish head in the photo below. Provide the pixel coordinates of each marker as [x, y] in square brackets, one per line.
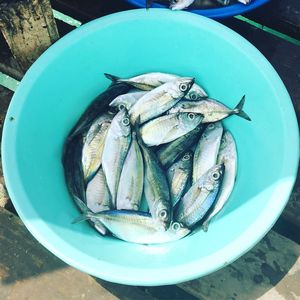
[163, 216]
[212, 130]
[178, 229]
[187, 160]
[214, 176]
[196, 93]
[179, 87]
[123, 123]
[190, 119]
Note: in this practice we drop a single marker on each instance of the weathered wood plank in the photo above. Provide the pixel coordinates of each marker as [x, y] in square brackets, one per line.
[28, 27]
[282, 15]
[271, 270]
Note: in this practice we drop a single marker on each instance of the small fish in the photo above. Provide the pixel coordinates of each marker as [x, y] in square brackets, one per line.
[180, 4]
[99, 104]
[178, 176]
[207, 149]
[169, 153]
[93, 145]
[116, 146]
[211, 110]
[168, 128]
[245, 1]
[132, 178]
[228, 156]
[200, 197]
[127, 100]
[149, 81]
[160, 99]
[136, 227]
[156, 189]
[97, 193]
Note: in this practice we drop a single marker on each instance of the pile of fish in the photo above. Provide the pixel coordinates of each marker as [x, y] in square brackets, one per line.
[149, 160]
[196, 4]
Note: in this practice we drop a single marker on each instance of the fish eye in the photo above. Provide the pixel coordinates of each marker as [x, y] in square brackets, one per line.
[211, 126]
[176, 226]
[121, 106]
[183, 87]
[191, 116]
[216, 175]
[193, 96]
[163, 214]
[125, 121]
[186, 157]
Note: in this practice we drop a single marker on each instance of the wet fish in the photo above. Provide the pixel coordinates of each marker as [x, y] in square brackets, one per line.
[160, 99]
[227, 156]
[156, 189]
[132, 178]
[180, 4]
[93, 145]
[168, 128]
[98, 106]
[115, 150]
[169, 153]
[149, 81]
[127, 100]
[212, 110]
[137, 227]
[207, 149]
[97, 193]
[178, 176]
[200, 197]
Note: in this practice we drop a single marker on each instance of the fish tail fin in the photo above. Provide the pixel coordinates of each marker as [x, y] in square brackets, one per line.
[149, 3]
[113, 78]
[86, 213]
[205, 226]
[80, 218]
[238, 110]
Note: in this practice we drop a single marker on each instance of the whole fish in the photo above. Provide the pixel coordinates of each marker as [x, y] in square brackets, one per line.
[207, 149]
[168, 128]
[228, 156]
[149, 81]
[178, 176]
[93, 145]
[200, 197]
[160, 99]
[169, 153]
[180, 4]
[132, 178]
[97, 193]
[156, 189]
[98, 106]
[115, 150]
[211, 110]
[127, 100]
[136, 227]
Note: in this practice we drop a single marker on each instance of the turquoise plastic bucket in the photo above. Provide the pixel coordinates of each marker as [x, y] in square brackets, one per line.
[65, 79]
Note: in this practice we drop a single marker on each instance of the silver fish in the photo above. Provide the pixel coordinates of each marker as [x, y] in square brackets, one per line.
[200, 197]
[160, 99]
[169, 153]
[207, 149]
[127, 100]
[137, 227]
[168, 128]
[156, 189]
[149, 81]
[212, 110]
[132, 177]
[178, 176]
[115, 150]
[97, 193]
[93, 144]
[180, 4]
[227, 156]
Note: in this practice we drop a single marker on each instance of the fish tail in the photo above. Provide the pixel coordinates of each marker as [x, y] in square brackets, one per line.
[80, 218]
[205, 226]
[149, 3]
[113, 78]
[86, 213]
[238, 110]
